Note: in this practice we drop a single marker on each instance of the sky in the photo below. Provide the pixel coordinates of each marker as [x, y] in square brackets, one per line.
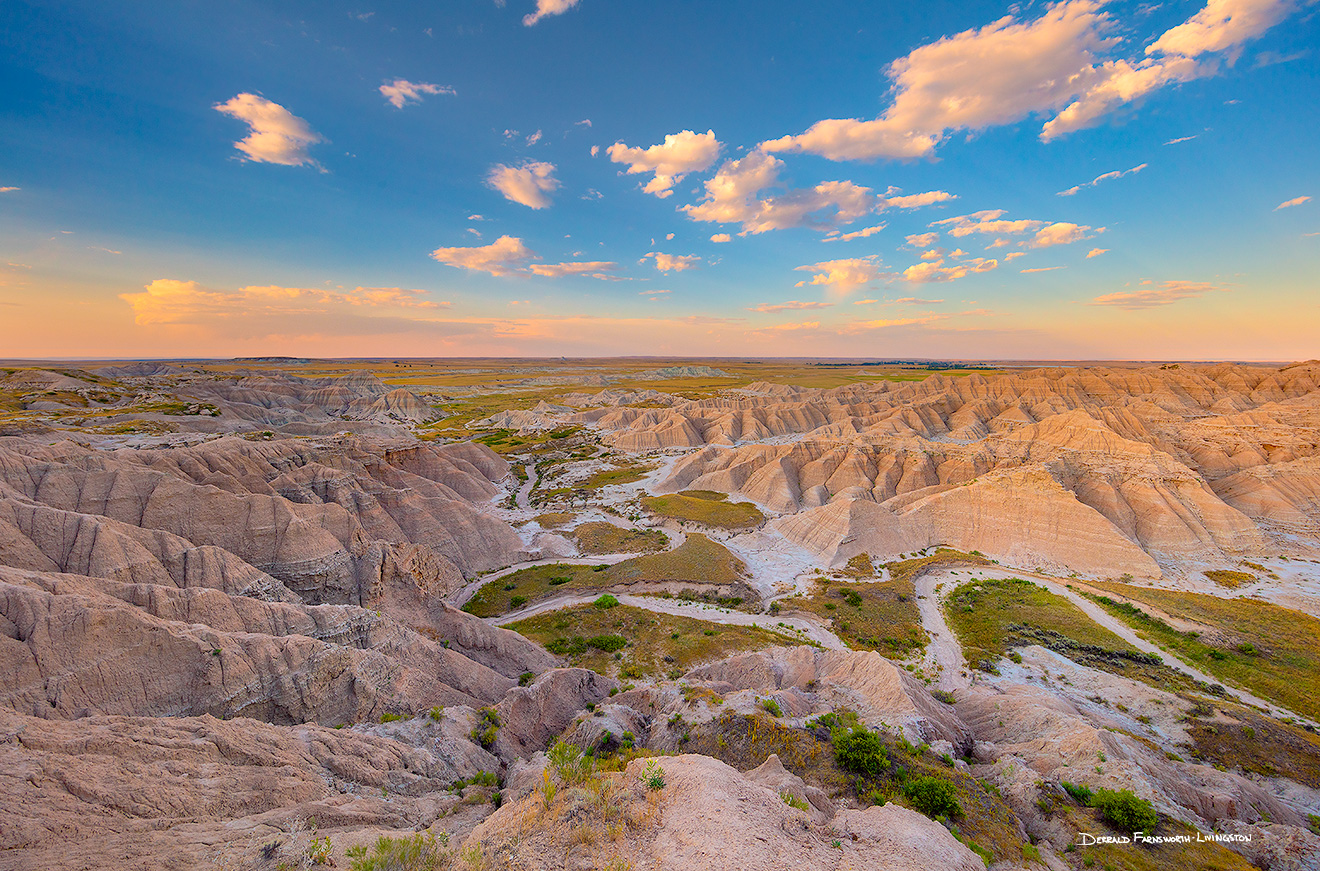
[970, 180]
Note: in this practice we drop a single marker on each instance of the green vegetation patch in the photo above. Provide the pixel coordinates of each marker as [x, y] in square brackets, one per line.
[1239, 738]
[702, 506]
[698, 562]
[992, 616]
[552, 519]
[1228, 578]
[868, 616]
[599, 537]
[624, 475]
[1271, 651]
[943, 557]
[656, 645]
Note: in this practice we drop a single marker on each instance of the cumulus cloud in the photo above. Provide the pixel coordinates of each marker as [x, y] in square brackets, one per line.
[277, 135]
[1062, 233]
[672, 262]
[835, 236]
[1011, 69]
[923, 240]
[546, 8]
[721, 237]
[1102, 177]
[916, 201]
[1096, 252]
[1295, 201]
[400, 92]
[681, 153]
[170, 301]
[791, 305]
[935, 270]
[501, 257]
[1165, 293]
[733, 197]
[842, 276]
[527, 183]
[592, 269]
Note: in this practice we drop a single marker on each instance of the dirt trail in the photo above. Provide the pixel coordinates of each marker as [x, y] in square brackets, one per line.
[679, 608]
[944, 656]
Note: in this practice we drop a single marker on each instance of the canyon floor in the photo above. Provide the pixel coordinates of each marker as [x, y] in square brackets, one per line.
[658, 614]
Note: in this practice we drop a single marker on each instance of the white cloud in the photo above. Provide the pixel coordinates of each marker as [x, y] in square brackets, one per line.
[1011, 69]
[987, 221]
[1180, 139]
[400, 92]
[277, 135]
[842, 276]
[935, 270]
[864, 326]
[1041, 269]
[1096, 252]
[923, 240]
[1102, 177]
[973, 79]
[475, 218]
[585, 122]
[170, 301]
[915, 300]
[681, 153]
[932, 254]
[545, 8]
[1295, 201]
[916, 201]
[672, 262]
[835, 236]
[721, 237]
[591, 269]
[864, 301]
[534, 138]
[106, 250]
[1013, 255]
[791, 305]
[8, 189]
[732, 197]
[527, 184]
[1165, 293]
[595, 150]
[652, 292]
[501, 257]
[1062, 233]
[669, 237]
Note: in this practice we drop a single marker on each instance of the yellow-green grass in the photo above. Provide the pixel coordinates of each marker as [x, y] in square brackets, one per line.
[698, 560]
[697, 563]
[1269, 650]
[990, 617]
[625, 475]
[868, 616]
[600, 537]
[505, 441]
[1229, 578]
[702, 506]
[552, 519]
[1236, 737]
[650, 639]
[943, 557]
[1193, 856]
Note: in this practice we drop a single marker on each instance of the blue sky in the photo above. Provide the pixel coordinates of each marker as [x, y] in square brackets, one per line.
[466, 179]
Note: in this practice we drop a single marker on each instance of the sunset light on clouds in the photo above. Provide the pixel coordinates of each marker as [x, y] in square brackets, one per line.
[330, 179]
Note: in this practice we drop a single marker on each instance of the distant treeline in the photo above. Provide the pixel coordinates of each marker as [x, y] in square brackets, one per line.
[907, 364]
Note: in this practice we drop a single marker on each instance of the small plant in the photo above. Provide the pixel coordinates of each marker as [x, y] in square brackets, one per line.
[836, 844]
[793, 801]
[388, 717]
[318, 852]
[1125, 811]
[606, 601]
[487, 728]
[933, 796]
[568, 763]
[517, 602]
[653, 776]
[772, 707]
[436, 713]
[943, 696]
[860, 751]
[526, 678]
[1080, 792]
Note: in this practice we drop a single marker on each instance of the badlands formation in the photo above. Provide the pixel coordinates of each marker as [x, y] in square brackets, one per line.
[277, 614]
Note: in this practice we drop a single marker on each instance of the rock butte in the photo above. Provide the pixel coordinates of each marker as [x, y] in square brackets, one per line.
[225, 609]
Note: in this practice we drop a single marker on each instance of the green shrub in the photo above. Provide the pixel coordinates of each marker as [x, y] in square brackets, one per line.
[607, 643]
[436, 713]
[388, 717]
[517, 602]
[860, 751]
[487, 728]
[526, 678]
[933, 796]
[773, 707]
[1125, 811]
[419, 852]
[606, 601]
[1080, 792]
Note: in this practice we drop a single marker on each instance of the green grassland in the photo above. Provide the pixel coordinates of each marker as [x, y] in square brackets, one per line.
[599, 537]
[879, 616]
[705, 507]
[698, 562]
[990, 617]
[1271, 651]
[657, 645]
